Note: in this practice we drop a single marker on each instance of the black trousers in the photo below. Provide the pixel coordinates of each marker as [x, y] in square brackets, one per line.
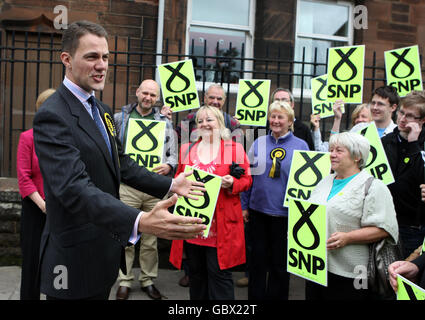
[339, 288]
[102, 296]
[32, 224]
[206, 280]
[268, 278]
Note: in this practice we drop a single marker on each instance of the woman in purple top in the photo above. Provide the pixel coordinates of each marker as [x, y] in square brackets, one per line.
[262, 205]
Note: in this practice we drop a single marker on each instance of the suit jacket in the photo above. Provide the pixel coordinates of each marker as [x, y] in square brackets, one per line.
[302, 131]
[87, 226]
[420, 262]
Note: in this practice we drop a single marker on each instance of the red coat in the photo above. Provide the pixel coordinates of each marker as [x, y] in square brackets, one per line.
[228, 211]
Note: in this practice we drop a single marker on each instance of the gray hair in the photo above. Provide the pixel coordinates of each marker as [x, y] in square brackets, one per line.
[357, 145]
[216, 86]
[291, 96]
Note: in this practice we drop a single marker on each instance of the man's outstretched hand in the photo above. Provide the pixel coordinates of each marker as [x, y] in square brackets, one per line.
[187, 188]
[161, 223]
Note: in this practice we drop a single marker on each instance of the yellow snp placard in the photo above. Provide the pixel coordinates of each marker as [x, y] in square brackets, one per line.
[145, 142]
[423, 247]
[307, 169]
[307, 234]
[403, 69]
[204, 207]
[407, 290]
[178, 85]
[319, 97]
[377, 163]
[345, 73]
[252, 102]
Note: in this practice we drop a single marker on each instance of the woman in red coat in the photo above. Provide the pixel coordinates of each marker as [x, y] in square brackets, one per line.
[210, 258]
[33, 216]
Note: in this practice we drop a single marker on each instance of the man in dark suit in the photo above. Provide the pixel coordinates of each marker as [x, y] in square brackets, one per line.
[82, 163]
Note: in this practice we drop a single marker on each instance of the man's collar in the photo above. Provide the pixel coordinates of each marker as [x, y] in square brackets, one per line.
[76, 90]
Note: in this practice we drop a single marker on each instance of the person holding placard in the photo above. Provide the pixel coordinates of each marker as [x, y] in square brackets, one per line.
[404, 147]
[214, 96]
[319, 145]
[411, 270]
[147, 95]
[262, 205]
[359, 211]
[210, 258]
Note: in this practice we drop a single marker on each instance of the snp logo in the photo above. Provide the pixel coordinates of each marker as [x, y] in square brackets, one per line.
[60, 282]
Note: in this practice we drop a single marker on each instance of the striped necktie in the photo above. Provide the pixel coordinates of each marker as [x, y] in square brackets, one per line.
[98, 121]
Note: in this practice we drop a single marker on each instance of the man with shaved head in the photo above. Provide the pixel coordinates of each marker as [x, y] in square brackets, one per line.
[147, 95]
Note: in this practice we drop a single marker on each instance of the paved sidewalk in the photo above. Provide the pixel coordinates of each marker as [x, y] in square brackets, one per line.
[167, 283]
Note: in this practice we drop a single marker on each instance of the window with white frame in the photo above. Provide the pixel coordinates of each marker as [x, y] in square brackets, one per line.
[219, 38]
[320, 25]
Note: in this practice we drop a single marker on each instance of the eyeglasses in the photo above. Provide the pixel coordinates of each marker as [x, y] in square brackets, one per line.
[379, 104]
[409, 116]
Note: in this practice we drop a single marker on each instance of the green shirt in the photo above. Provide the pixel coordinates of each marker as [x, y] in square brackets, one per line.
[136, 115]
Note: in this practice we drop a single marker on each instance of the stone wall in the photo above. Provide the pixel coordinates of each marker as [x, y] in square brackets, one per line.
[10, 213]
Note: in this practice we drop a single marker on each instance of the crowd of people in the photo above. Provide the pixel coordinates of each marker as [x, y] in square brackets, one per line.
[86, 203]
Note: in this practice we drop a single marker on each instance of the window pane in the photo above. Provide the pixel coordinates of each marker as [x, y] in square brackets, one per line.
[323, 18]
[221, 11]
[310, 69]
[223, 49]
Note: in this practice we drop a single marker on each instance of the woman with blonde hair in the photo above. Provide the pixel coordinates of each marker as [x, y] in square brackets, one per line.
[210, 258]
[262, 204]
[361, 114]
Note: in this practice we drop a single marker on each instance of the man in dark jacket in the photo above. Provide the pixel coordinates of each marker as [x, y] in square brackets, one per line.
[404, 149]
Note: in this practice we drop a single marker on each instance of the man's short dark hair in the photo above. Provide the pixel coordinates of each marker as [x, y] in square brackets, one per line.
[77, 29]
[388, 92]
